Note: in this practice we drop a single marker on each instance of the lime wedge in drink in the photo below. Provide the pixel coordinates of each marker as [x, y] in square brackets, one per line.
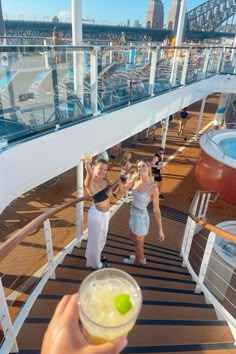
[122, 303]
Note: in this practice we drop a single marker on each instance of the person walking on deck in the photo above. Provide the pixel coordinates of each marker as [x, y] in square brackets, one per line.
[182, 121]
[157, 165]
[143, 191]
[98, 214]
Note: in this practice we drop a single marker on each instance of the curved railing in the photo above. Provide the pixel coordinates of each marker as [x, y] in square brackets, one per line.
[205, 250]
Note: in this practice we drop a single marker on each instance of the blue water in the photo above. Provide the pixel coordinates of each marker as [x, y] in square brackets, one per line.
[5, 79]
[229, 147]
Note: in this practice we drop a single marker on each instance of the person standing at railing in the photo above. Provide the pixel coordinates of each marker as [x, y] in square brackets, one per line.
[98, 214]
[56, 41]
[122, 40]
[143, 191]
[64, 335]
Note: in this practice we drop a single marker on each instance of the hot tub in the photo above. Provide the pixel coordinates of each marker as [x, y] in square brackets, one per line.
[216, 164]
[225, 249]
[220, 275]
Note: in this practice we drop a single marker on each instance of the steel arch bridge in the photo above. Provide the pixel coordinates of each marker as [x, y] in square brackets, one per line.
[208, 16]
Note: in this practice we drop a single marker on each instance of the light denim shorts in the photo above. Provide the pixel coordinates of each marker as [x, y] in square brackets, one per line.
[139, 221]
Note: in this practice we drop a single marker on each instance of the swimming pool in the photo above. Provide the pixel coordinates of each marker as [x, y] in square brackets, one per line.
[229, 147]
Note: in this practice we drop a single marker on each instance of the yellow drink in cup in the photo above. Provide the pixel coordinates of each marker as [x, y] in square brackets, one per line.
[109, 303]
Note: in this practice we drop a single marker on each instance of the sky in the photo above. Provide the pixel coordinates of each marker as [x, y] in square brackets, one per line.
[102, 11]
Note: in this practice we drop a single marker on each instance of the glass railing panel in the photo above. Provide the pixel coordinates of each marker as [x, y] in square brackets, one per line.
[163, 70]
[124, 77]
[228, 61]
[37, 90]
[196, 65]
[213, 62]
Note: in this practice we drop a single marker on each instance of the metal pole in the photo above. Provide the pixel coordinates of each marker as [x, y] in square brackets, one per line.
[80, 206]
[77, 36]
[78, 66]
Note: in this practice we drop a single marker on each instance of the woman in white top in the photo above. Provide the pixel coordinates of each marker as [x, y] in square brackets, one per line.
[143, 191]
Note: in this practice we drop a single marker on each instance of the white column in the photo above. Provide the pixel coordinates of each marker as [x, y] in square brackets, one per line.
[77, 37]
[180, 28]
[78, 66]
[80, 193]
[200, 118]
[164, 134]
[153, 70]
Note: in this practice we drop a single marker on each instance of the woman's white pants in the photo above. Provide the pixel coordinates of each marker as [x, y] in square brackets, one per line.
[97, 234]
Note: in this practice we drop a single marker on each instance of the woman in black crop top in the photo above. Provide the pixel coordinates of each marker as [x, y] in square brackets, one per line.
[98, 214]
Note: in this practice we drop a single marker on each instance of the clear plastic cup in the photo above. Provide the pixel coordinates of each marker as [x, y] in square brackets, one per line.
[109, 303]
[86, 156]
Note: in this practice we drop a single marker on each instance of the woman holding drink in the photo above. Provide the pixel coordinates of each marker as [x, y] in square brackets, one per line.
[143, 191]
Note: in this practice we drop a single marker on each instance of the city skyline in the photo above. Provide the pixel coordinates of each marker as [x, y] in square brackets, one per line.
[101, 11]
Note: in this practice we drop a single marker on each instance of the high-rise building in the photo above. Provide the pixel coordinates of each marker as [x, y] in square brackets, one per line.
[173, 16]
[155, 14]
[2, 30]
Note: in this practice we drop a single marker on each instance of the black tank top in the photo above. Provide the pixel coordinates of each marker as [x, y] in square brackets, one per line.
[101, 195]
[157, 168]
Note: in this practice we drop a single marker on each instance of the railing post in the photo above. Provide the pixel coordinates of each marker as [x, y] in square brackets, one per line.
[174, 68]
[205, 262]
[46, 54]
[205, 66]
[6, 323]
[48, 243]
[185, 67]
[153, 70]
[187, 234]
[220, 61]
[110, 54]
[94, 81]
[189, 238]
[80, 206]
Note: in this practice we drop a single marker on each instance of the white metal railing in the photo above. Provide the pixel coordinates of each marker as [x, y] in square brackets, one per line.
[213, 274]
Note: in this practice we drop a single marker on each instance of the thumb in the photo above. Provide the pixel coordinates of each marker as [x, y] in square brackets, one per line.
[114, 347]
